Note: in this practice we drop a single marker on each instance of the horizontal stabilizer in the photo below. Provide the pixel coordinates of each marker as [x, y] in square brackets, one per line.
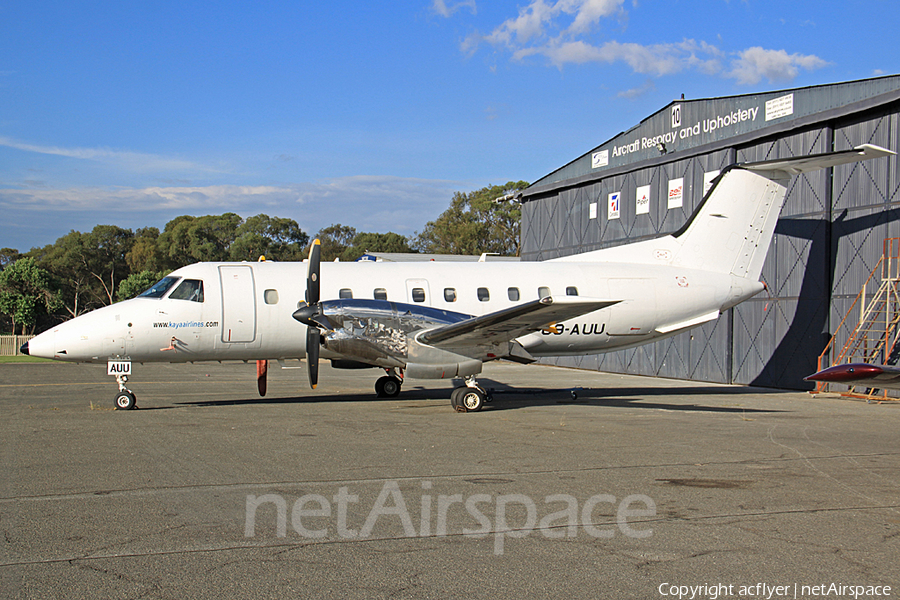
[803, 164]
[508, 324]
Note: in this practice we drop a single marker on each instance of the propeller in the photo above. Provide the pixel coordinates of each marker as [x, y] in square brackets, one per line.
[309, 313]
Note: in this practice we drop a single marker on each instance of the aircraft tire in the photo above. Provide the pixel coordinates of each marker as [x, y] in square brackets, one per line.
[455, 401]
[387, 387]
[125, 400]
[466, 399]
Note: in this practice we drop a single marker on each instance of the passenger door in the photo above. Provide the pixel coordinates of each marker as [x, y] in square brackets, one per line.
[238, 303]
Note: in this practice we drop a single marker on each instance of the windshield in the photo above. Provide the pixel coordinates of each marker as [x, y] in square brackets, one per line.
[159, 288]
[189, 289]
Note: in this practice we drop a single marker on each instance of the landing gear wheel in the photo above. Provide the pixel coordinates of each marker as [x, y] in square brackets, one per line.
[125, 400]
[455, 401]
[467, 399]
[388, 387]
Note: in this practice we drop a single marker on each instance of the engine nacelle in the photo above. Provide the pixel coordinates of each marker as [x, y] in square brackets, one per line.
[382, 333]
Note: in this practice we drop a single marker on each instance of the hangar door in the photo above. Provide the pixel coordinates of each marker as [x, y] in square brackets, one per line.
[238, 303]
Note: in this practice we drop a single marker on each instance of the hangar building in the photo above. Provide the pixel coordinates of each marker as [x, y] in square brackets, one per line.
[829, 237]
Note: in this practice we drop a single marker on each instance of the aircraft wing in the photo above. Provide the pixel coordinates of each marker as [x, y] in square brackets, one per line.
[508, 324]
[876, 376]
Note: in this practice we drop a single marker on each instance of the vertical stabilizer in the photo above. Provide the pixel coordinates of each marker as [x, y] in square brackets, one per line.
[732, 229]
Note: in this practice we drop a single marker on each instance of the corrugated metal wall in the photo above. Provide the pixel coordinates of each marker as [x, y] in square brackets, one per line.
[828, 239]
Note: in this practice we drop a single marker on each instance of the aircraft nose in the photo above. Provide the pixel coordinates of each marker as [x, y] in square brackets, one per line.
[24, 349]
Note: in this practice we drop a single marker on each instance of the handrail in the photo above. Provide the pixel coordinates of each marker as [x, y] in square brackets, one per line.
[821, 385]
[889, 264]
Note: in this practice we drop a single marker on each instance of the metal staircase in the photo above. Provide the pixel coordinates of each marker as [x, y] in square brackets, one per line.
[874, 338]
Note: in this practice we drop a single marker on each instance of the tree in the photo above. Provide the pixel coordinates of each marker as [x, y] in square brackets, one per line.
[26, 292]
[376, 242]
[88, 265]
[136, 283]
[273, 237]
[474, 223]
[188, 239]
[104, 257]
[335, 240]
[145, 254]
[8, 256]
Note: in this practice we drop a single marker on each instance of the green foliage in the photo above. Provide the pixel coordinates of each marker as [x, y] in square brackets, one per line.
[375, 242]
[8, 256]
[88, 265]
[343, 242]
[188, 239]
[145, 254]
[335, 240]
[26, 292]
[136, 283]
[273, 237]
[475, 223]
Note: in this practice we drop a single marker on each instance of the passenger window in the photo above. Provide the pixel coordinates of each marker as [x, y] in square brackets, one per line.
[513, 294]
[270, 296]
[450, 294]
[345, 293]
[418, 295]
[189, 289]
[483, 295]
[571, 291]
[380, 294]
[543, 292]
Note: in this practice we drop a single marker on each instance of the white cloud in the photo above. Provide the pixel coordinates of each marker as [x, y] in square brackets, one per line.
[535, 19]
[529, 24]
[441, 7]
[646, 88]
[134, 161]
[753, 64]
[588, 12]
[102, 200]
[369, 203]
[658, 59]
[559, 31]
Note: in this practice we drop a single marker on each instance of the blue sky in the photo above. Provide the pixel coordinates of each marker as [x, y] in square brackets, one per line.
[366, 114]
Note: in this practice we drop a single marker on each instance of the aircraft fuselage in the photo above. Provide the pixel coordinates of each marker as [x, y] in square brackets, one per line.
[254, 320]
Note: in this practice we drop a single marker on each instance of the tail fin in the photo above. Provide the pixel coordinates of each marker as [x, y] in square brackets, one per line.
[731, 230]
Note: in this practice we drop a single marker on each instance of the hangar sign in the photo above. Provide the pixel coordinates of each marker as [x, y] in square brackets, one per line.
[665, 142]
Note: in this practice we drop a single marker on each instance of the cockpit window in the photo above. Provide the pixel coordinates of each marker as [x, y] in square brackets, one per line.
[160, 288]
[189, 289]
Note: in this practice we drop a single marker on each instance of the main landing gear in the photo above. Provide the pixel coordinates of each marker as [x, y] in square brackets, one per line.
[125, 399]
[389, 385]
[470, 397]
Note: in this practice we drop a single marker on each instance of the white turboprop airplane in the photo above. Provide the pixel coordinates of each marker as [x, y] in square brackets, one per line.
[436, 320]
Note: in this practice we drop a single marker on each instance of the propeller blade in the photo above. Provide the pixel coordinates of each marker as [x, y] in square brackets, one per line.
[309, 313]
[262, 368]
[312, 277]
[312, 355]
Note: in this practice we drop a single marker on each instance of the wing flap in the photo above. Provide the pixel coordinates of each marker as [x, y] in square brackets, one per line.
[689, 323]
[508, 324]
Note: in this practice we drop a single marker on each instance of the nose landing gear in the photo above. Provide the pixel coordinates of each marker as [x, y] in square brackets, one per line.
[125, 399]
